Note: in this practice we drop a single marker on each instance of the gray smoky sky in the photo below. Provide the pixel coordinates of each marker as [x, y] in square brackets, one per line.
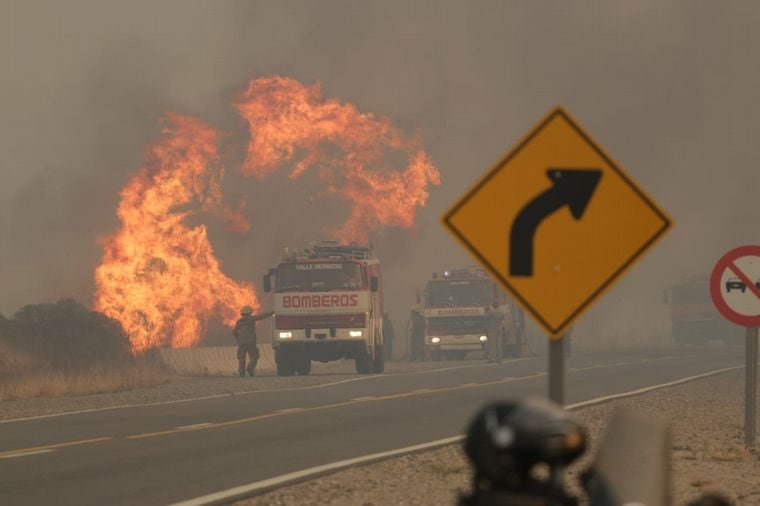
[670, 89]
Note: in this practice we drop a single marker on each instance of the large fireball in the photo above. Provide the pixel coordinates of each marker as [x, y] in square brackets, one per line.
[291, 123]
[159, 276]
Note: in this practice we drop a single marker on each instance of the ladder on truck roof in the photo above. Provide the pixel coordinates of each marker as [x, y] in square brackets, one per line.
[335, 249]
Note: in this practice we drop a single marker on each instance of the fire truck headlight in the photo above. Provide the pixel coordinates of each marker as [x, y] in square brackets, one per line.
[435, 340]
[286, 335]
[355, 333]
[483, 339]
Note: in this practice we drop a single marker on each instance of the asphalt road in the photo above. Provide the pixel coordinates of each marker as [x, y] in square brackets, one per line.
[170, 452]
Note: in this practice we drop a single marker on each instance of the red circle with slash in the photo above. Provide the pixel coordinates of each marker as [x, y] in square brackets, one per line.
[735, 286]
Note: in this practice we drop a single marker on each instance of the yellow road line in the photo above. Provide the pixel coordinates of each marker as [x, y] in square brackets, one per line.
[55, 445]
[26, 454]
[285, 412]
[322, 407]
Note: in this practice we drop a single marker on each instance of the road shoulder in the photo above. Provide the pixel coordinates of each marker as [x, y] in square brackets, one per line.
[706, 420]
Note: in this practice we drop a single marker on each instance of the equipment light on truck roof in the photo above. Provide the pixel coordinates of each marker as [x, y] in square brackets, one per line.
[355, 333]
[483, 339]
[286, 335]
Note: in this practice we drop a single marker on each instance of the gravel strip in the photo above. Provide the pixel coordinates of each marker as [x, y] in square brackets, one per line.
[188, 388]
[706, 418]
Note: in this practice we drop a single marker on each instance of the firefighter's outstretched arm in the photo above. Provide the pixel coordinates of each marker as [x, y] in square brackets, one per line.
[263, 316]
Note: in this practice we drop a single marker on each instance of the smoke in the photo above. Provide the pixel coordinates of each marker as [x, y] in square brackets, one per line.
[667, 89]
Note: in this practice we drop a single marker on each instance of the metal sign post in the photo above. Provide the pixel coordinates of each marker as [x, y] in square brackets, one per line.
[750, 388]
[557, 370]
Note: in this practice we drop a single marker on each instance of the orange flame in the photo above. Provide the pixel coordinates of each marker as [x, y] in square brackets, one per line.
[159, 277]
[290, 122]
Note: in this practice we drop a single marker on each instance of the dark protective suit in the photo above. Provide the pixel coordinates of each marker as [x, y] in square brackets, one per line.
[388, 336]
[245, 336]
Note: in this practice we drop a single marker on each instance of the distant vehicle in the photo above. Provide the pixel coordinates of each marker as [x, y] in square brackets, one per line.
[693, 317]
[452, 311]
[328, 305]
[735, 284]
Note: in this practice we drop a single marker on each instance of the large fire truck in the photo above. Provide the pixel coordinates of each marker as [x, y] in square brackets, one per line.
[328, 305]
[693, 317]
[450, 317]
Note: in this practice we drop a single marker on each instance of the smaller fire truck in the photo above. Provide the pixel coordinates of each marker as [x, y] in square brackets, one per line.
[693, 317]
[450, 317]
[328, 305]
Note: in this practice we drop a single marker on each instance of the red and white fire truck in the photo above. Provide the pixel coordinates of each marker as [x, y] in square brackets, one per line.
[328, 305]
[450, 318]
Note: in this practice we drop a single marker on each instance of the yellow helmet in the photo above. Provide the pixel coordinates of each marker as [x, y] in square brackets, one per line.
[246, 310]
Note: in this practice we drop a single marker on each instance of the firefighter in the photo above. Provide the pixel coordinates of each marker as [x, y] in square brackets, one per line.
[417, 337]
[495, 321]
[245, 335]
[388, 336]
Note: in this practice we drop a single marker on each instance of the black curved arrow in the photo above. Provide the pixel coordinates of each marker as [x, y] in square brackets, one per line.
[570, 187]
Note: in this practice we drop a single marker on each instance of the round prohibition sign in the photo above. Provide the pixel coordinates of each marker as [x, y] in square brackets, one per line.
[735, 286]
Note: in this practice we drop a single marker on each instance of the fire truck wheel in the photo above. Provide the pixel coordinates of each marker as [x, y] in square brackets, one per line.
[436, 355]
[363, 363]
[284, 363]
[378, 365]
[304, 366]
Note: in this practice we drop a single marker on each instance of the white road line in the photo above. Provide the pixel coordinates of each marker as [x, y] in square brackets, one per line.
[251, 392]
[467, 366]
[600, 400]
[310, 387]
[363, 399]
[26, 454]
[242, 491]
[245, 490]
[194, 426]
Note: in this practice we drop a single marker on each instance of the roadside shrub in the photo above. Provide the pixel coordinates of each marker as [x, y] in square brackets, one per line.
[5, 326]
[67, 335]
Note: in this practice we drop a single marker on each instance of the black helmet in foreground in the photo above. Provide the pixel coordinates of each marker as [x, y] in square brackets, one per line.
[508, 442]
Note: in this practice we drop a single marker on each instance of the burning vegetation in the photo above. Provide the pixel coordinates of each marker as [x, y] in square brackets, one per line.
[159, 276]
[292, 124]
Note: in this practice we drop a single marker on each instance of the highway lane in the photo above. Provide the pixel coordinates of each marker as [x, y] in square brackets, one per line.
[168, 452]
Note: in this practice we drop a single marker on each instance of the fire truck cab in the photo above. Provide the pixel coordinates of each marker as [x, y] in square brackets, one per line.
[328, 305]
[452, 312]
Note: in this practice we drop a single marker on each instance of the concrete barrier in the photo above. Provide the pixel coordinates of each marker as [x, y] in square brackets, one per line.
[212, 360]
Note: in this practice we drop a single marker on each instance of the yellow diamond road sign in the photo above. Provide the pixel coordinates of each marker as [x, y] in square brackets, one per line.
[556, 221]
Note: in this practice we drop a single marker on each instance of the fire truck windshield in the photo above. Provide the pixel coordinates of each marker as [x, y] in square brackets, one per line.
[319, 276]
[458, 293]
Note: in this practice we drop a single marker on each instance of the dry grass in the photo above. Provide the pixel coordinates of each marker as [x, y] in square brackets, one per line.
[21, 377]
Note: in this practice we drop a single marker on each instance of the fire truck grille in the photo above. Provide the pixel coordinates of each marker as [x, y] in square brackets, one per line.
[328, 321]
[458, 324]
